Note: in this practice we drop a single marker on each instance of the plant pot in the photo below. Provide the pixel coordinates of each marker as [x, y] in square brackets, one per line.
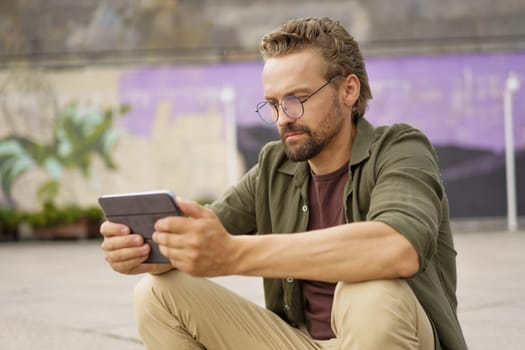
[80, 229]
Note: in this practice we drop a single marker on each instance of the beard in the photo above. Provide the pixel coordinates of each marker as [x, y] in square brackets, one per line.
[316, 140]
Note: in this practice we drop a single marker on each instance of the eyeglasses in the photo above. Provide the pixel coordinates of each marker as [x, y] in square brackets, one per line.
[292, 106]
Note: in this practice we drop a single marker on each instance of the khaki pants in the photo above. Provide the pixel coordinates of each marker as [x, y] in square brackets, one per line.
[178, 312]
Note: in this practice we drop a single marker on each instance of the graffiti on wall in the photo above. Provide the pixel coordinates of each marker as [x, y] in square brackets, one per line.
[178, 132]
[39, 134]
[457, 100]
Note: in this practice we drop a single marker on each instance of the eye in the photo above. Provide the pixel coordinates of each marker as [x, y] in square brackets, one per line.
[274, 104]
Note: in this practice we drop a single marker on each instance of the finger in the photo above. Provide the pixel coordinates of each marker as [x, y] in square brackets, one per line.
[170, 245]
[181, 224]
[194, 209]
[109, 229]
[127, 254]
[169, 239]
[177, 257]
[132, 266]
[119, 242]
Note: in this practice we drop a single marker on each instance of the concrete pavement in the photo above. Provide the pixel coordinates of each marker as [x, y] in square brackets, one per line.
[62, 295]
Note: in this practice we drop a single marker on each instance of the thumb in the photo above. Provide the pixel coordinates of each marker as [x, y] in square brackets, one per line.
[194, 209]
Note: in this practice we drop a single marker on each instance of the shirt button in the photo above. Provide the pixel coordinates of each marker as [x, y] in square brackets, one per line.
[289, 280]
[287, 307]
[305, 208]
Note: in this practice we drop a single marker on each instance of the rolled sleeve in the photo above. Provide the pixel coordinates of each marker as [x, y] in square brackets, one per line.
[408, 193]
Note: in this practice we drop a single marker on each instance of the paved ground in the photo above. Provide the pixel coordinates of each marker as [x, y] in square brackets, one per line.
[58, 295]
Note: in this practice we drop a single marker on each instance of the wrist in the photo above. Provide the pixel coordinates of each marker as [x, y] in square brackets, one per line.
[239, 263]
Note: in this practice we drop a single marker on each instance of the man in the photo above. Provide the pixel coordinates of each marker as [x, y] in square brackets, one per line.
[353, 237]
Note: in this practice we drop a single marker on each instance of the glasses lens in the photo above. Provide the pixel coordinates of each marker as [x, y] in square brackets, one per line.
[267, 112]
[292, 106]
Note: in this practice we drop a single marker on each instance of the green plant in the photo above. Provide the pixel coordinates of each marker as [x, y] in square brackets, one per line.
[79, 133]
[67, 222]
[51, 216]
[9, 220]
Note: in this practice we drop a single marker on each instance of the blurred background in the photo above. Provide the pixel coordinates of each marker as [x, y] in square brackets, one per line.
[100, 96]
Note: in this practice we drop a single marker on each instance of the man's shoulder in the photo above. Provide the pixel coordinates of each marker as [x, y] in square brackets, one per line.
[396, 132]
[370, 136]
[402, 141]
[395, 129]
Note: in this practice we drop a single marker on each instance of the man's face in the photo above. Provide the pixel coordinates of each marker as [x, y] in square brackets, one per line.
[299, 74]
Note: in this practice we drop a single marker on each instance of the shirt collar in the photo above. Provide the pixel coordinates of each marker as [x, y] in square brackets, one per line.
[299, 170]
[363, 139]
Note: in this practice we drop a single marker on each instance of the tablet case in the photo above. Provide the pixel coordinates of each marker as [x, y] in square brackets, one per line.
[140, 211]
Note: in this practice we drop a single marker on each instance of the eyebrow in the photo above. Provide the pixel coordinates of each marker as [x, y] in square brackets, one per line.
[294, 92]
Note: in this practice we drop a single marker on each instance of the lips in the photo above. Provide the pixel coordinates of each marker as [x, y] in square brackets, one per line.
[292, 135]
[292, 132]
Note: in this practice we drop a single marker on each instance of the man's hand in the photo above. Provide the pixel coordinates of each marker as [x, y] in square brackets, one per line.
[198, 244]
[126, 252]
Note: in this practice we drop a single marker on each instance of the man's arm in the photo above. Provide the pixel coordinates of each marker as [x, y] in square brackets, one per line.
[362, 251]
[351, 253]
[397, 238]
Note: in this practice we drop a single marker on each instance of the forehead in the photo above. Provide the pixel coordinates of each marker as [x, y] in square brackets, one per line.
[286, 73]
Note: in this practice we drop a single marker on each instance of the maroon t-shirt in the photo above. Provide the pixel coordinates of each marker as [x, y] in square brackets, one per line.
[326, 210]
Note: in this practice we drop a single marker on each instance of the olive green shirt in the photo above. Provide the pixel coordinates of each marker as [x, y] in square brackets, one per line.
[393, 178]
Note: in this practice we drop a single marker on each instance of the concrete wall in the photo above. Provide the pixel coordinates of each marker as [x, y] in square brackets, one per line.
[58, 33]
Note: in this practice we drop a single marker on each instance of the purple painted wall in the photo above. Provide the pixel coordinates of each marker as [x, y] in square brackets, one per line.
[455, 99]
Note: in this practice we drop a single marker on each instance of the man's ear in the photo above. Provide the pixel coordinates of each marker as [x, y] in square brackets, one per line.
[351, 87]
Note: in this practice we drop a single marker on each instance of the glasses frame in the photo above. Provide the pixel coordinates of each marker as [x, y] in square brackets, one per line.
[276, 106]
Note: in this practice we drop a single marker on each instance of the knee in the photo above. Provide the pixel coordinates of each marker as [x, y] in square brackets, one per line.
[372, 291]
[378, 315]
[382, 303]
[144, 288]
[152, 292]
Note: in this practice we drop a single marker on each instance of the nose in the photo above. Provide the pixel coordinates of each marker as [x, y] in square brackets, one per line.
[283, 118]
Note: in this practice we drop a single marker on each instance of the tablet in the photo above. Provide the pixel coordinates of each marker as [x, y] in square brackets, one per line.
[140, 211]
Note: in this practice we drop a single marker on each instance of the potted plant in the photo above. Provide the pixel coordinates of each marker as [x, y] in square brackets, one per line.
[64, 223]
